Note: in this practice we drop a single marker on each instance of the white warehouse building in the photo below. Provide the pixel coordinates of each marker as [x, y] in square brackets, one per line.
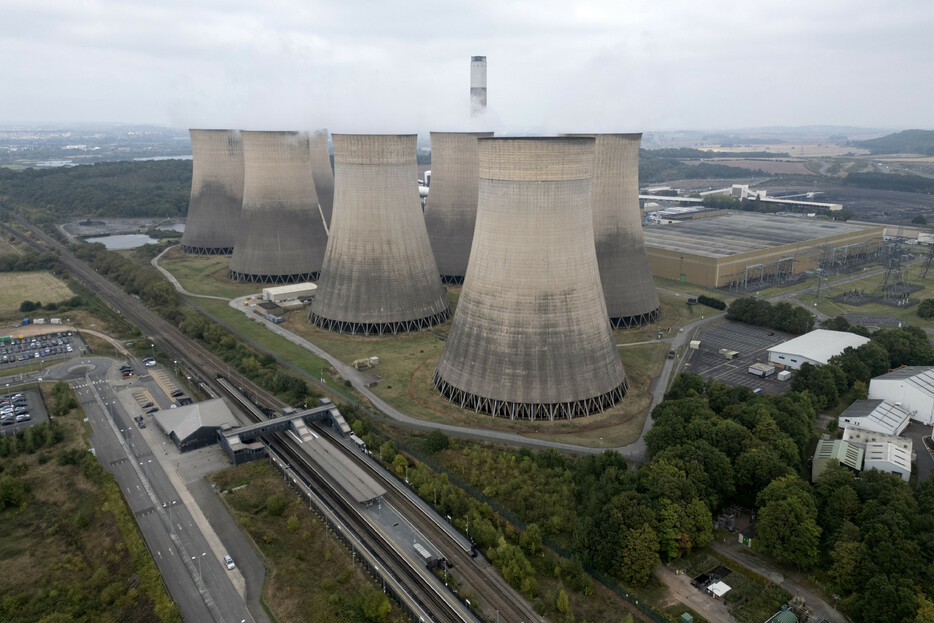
[816, 348]
[879, 416]
[889, 458]
[289, 292]
[911, 387]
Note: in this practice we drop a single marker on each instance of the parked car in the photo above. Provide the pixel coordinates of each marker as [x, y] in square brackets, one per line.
[229, 562]
[177, 393]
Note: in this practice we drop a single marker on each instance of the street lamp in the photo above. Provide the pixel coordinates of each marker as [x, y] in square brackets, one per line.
[153, 346]
[200, 578]
[176, 367]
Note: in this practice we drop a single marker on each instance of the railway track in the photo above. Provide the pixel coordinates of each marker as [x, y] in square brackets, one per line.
[508, 604]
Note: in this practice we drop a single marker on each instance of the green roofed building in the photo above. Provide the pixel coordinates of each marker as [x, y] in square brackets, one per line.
[846, 453]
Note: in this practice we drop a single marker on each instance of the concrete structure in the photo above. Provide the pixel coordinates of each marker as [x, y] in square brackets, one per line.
[889, 458]
[477, 85]
[451, 208]
[816, 348]
[216, 192]
[631, 300]
[847, 454]
[911, 388]
[322, 173]
[195, 425]
[876, 415]
[745, 247]
[282, 238]
[531, 338]
[378, 275]
[289, 292]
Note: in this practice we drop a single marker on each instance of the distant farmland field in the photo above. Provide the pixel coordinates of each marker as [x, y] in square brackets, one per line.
[34, 286]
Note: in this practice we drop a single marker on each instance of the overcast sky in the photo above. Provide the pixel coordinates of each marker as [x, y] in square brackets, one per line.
[390, 66]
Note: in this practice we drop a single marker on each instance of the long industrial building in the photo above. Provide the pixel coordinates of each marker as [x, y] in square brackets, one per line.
[216, 192]
[282, 237]
[451, 208]
[747, 249]
[378, 275]
[631, 299]
[322, 173]
[531, 337]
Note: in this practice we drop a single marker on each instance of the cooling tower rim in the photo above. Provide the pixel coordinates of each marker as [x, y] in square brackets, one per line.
[480, 134]
[611, 134]
[214, 130]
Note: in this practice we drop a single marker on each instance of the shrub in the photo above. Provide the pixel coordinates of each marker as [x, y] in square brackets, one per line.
[710, 301]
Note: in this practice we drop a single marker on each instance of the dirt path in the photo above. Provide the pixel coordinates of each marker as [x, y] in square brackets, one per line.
[680, 586]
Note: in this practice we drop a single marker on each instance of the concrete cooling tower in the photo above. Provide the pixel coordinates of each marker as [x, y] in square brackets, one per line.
[451, 209]
[531, 338]
[282, 238]
[216, 192]
[322, 173]
[631, 299]
[379, 275]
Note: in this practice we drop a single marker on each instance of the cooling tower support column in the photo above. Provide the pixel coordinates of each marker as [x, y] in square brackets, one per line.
[379, 275]
[477, 85]
[216, 192]
[531, 338]
[282, 238]
[631, 298]
[451, 209]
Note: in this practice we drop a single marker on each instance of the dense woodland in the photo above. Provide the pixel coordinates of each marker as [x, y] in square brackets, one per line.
[781, 316]
[108, 189]
[891, 181]
[907, 142]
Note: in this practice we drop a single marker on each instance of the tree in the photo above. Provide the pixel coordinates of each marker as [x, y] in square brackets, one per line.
[562, 604]
[436, 441]
[531, 540]
[820, 382]
[640, 555]
[387, 451]
[376, 605]
[275, 504]
[919, 220]
[755, 469]
[12, 492]
[788, 530]
[926, 309]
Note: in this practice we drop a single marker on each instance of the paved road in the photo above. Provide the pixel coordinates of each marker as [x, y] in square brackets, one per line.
[175, 283]
[196, 579]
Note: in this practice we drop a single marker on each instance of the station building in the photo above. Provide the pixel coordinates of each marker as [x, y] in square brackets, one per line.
[195, 425]
[746, 248]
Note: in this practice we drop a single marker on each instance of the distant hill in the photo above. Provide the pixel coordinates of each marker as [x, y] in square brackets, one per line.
[907, 142]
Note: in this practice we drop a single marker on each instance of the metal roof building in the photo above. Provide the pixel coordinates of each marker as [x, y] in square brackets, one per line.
[195, 425]
[282, 237]
[289, 292]
[746, 246]
[531, 337]
[815, 347]
[322, 173]
[378, 274]
[216, 192]
[451, 208]
[876, 415]
[631, 299]
[889, 458]
[911, 387]
[863, 437]
[846, 453]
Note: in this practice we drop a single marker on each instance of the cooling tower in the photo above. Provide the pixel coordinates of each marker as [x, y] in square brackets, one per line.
[477, 85]
[631, 299]
[216, 192]
[451, 209]
[281, 238]
[378, 275]
[322, 173]
[531, 337]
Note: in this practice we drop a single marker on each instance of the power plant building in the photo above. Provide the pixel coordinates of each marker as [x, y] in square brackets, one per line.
[631, 299]
[531, 338]
[378, 275]
[322, 173]
[282, 237]
[451, 208]
[746, 249]
[216, 192]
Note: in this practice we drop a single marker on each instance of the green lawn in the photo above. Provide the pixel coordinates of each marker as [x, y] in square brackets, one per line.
[205, 274]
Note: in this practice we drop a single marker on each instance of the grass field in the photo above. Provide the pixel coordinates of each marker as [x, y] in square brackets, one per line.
[34, 286]
[9, 244]
[205, 274]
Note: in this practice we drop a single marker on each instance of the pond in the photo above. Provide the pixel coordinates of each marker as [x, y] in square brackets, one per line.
[180, 227]
[124, 241]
